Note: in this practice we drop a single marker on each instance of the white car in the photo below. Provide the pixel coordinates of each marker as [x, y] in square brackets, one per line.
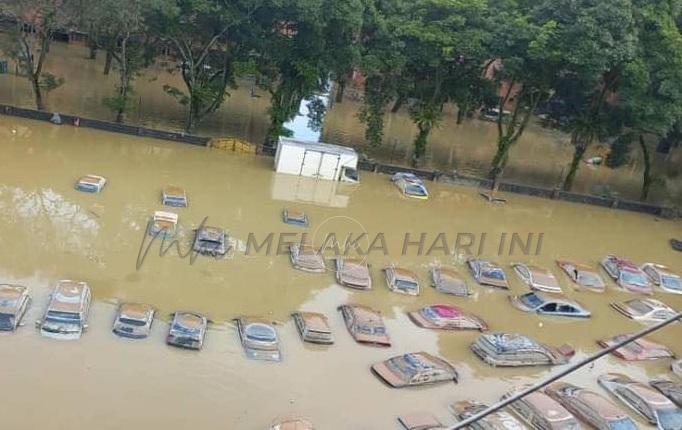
[410, 185]
[661, 276]
[650, 310]
[91, 183]
[537, 278]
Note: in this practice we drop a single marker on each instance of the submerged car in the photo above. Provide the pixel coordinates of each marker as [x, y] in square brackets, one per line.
[542, 412]
[420, 421]
[401, 280]
[488, 273]
[67, 311]
[670, 389]
[547, 305]
[259, 339]
[500, 420]
[626, 274]
[449, 281]
[447, 317]
[174, 196]
[353, 273]
[163, 224]
[596, 410]
[14, 301]
[410, 185]
[187, 330]
[293, 424]
[210, 241]
[134, 320]
[91, 183]
[537, 278]
[647, 402]
[583, 275]
[295, 217]
[662, 277]
[304, 257]
[676, 367]
[365, 324]
[650, 310]
[512, 350]
[637, 350]
[414, 369]
[313, 327]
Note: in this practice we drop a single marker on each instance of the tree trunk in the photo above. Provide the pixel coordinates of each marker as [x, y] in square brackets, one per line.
[647, 178]
[580, 148]
[93, 50]
[420, 144]
[497, 164]
[189, 125]
[107, 61]
[37, 91]
[461, 114]
[340, 88]
[398, 104]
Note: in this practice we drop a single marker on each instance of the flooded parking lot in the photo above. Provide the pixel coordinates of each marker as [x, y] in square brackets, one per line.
[50, 231]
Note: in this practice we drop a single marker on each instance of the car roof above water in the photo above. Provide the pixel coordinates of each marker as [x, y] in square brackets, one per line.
[69, 296]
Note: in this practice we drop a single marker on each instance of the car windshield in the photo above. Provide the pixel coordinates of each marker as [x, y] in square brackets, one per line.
[367, 329]
[403, 284]
[640, 306]
[58, 316]
[531, 300]
[261, 333]
[190, 331]
[672, 282]
[6, 322]
[130, 321]
[635, 278]
[592, 279]
[494, 273]
[622, 424]
[415, 190]
[669, 419]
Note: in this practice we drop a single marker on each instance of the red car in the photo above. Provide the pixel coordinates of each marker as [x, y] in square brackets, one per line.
[637, 350]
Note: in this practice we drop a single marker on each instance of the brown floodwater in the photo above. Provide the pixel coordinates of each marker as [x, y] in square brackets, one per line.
[50, 231]
[540, 157]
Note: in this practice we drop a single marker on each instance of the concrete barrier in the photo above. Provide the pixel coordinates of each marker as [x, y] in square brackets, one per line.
[109, 126]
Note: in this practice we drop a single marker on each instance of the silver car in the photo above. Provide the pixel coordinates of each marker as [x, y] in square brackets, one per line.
[647, 402]
[67, 312]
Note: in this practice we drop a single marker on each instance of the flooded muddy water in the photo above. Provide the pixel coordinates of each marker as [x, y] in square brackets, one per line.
[541, 156]
[50, 231]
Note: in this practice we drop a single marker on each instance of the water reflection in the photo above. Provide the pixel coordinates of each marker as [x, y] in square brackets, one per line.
[299, 189]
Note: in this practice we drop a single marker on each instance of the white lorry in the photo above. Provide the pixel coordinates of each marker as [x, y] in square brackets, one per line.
[316, 160]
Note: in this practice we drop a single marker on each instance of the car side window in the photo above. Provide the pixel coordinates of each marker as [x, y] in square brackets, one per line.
[523, 272]
[567, 309]
[549, 307]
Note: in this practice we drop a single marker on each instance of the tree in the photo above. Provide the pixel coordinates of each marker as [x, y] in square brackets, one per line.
[650, 94]
[526, 65]
[295, 49]
[596, 41]
[382, 62]
[122, 24]
[29, 42]
[205, 35]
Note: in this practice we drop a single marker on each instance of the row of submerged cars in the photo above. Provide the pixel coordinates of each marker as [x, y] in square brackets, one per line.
[260, 340]
[557, 407]
[564, 406]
